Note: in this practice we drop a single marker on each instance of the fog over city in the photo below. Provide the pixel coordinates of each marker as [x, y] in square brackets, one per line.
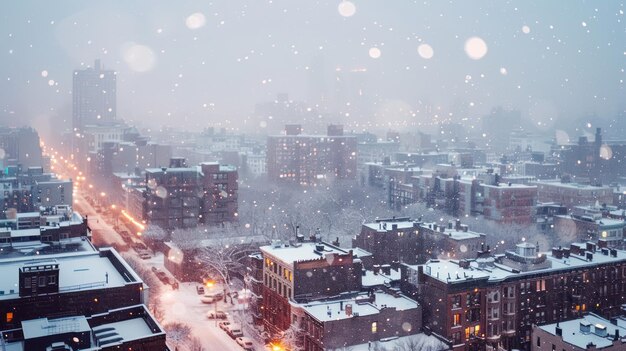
[208, 63]
[280, 175]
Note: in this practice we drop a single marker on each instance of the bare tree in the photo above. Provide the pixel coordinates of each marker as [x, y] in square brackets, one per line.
[195, 344]
[177, 333]
[292, 338]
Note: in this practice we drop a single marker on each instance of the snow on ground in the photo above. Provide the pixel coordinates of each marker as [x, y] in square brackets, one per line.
[184, 306]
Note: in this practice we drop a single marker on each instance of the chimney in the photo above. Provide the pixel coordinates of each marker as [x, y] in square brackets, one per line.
[341, 305]
[458, 225]
[299, 237]
[616, 336]
[559, 330]
[385, 269]
[450, 224]
[557, 252]
[394, 227]
[348, 309]
[442, 229]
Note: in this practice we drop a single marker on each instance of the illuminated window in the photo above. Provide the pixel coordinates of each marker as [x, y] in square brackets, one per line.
[374, 327]
[456, 319]
[9, 317]
[467, 333]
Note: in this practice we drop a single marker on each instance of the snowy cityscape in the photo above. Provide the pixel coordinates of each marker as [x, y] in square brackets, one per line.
[342, 175]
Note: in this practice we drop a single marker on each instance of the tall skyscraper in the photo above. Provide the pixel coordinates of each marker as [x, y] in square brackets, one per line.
[94, 97]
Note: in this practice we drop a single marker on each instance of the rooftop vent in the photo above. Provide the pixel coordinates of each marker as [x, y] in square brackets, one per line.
[600, 330]
[585, 327]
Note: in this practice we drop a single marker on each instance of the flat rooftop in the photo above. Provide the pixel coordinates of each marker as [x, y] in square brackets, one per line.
[132, 323]
[449, 271]
[77, 271]
[573, 335]
[325, 311]
[305, 252]
[571, 185]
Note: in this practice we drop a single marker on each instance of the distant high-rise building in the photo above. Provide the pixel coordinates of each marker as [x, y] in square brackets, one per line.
[94, 96]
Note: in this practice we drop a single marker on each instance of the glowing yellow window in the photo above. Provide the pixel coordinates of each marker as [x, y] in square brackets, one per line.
[456, 319]
[467, 333]
[9, 317]
[374, 327]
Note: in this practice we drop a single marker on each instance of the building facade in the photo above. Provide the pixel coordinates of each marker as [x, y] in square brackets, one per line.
[309, 160]
[94, 96]
[184, 197]
[493, 302]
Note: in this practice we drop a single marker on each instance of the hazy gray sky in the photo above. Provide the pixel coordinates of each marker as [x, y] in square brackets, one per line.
[547, 58]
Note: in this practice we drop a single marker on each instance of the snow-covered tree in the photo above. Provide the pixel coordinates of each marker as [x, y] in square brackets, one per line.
[177, 333]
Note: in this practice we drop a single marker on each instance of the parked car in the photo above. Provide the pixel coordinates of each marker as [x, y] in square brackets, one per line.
[234, 330]
[245, 343]
[223, 325]
[217, 315]
[144, 255]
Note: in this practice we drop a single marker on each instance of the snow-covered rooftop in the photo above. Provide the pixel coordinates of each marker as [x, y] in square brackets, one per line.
[384, 226]
[370, 279]
[449, 271]
[454, 233]
[36, 328]
[307, 251]
[572, 334]
[77, 271]
[131, 329]
[325, 311]
[570, 185]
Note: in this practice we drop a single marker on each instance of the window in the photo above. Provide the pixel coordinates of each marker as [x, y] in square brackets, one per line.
[42, 281]
[456, 301]
[374, 327]
[52, 280]
[456, 338]
[541, 285]
[456, 319]
[538, 341]
[9, 317]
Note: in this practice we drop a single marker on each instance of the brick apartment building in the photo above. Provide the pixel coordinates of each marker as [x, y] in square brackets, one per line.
[184, 197]
[571, 195]
[318, 288]
[591, 332]
[493, 302]
[482, 194]
[398, 240]
[308, 160]
[130, 328]
[306, 271]
[94, 282]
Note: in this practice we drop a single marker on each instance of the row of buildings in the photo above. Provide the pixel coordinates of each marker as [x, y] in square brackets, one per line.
[469, 298]
[60, 293]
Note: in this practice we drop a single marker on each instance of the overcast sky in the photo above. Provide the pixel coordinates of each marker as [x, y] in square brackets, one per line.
[200, 63]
